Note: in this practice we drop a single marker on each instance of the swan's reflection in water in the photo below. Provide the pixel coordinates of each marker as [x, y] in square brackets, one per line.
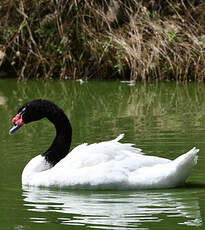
[113, 210]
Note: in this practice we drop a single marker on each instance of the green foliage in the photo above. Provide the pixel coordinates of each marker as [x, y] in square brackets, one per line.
[172, 35]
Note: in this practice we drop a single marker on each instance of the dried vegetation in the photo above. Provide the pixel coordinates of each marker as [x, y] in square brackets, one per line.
[132, 39]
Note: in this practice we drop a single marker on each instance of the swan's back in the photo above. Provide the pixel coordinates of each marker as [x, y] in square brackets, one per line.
[108, 154]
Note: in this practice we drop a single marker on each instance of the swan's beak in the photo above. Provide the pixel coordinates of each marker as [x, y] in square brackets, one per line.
[18, 123]
[14, 129]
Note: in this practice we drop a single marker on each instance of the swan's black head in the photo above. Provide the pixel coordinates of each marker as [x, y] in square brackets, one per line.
[32, 111]
[38, 109]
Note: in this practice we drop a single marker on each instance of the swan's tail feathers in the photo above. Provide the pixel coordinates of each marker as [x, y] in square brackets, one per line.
[119, 137]
[190, 157]
[183, 165]
[194, 152]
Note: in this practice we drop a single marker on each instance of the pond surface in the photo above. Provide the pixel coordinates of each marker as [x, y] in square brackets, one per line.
[165, 119]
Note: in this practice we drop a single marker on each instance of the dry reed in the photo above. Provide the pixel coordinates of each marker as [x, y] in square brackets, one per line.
[133, 39]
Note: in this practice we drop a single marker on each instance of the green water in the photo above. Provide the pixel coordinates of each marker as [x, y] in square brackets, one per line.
[163, 119]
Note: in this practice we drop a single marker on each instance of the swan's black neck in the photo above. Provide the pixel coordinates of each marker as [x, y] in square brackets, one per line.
[61, 144]
[38, 109]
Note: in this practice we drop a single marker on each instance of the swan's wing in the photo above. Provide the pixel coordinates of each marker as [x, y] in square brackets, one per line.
[108, 154]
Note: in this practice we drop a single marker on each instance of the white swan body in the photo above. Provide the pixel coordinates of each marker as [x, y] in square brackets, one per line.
[110, 165]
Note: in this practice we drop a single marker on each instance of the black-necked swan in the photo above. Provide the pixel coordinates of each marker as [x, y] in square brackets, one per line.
[104, 165]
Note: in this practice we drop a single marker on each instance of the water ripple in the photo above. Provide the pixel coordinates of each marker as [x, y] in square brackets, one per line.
[114, 210]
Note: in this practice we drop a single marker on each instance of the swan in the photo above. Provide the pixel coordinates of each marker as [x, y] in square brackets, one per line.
[104, 165]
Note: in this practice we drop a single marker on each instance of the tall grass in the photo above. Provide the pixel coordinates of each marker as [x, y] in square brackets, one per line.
[133, 39]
